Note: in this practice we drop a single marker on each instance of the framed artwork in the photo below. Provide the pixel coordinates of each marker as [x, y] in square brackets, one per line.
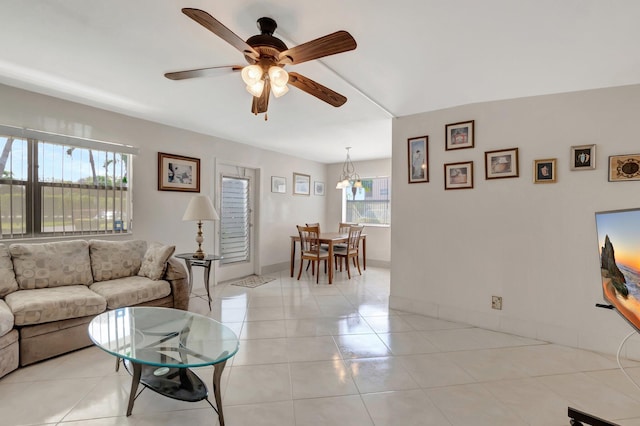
[583, 157]
[458, 175]
[624, 167]
[318, 188]
[278, 184]
[459, 135]
[544, 171]
[418, 155]
[501, 164]
[178, 173]
[301, 184]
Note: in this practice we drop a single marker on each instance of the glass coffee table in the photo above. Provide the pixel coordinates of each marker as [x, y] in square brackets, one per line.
[158, 347]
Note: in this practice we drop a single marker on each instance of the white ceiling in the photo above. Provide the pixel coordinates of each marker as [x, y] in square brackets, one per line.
[412, 56]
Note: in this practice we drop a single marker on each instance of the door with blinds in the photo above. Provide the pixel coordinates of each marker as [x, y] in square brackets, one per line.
[236, 239]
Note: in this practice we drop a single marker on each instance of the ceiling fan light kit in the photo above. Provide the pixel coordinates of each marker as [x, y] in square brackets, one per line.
[255, 78]
[267, 55]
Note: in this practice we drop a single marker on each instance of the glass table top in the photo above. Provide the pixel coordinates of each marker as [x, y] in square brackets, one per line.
[163, 337]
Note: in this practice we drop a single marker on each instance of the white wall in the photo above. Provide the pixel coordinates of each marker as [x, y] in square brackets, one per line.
[534, 245]
[158, 214]
[378, 237]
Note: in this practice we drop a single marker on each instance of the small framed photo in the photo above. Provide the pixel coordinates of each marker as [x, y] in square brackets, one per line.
[501, 164]
[544, 171]
[278, 184]
[178, 173]
[624, 167]
[301, 184]
[459, 135]
[318, 188]
[458, 175]
[583, 157]
[418, 150]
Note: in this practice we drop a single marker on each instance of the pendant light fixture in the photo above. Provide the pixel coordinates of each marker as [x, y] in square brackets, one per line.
[349, 177]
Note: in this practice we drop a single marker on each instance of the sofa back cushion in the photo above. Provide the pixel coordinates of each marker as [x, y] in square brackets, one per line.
[47, 265]
[8, 282]
[111, 260]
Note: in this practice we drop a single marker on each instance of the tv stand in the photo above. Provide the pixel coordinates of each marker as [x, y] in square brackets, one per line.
[579, 418]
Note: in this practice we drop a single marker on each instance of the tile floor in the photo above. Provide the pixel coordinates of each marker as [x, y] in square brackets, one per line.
[337, 355]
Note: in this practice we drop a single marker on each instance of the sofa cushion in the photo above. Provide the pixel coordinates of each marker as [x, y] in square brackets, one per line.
[116, 259]
[51, 264]
[8, 282]
[155, 260]
[131, 291]
[6, 318]
[54, 304]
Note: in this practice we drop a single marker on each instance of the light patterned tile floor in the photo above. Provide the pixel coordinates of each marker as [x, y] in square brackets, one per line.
[314, 354]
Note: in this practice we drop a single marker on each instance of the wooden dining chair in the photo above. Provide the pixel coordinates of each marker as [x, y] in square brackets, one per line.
[322, 246]
[351, 251]
[311, 250]
[343, 227]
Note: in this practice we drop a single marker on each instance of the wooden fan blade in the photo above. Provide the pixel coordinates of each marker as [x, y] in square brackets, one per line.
[338, 42]
[316, 89]
[216, 27]
[260, 105]
[200, 72]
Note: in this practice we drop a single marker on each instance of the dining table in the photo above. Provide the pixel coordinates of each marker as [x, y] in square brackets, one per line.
[330, 239]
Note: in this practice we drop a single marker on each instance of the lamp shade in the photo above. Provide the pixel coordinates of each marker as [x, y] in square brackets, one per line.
[256, 89]
[200, 208]
[278, 76]
[251, 74]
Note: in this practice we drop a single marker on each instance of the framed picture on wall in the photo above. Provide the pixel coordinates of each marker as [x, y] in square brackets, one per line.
[624, 167]
[583, 157]
[301, 184]
[544, 171]
[178, 173]
[278, 184]
[502, 163]
[318, 188]
[459, 135]
[418, 153]
[458, 175]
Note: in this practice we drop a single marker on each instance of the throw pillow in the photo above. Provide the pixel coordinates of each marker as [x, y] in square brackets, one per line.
[8, 282]
[155, 259]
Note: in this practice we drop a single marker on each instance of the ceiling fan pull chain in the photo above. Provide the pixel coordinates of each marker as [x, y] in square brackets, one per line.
[265, 117]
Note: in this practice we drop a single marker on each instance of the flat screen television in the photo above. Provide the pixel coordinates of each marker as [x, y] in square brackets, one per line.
[619, 241]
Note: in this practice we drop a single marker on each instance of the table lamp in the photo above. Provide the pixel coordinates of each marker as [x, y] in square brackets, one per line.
[200, 208]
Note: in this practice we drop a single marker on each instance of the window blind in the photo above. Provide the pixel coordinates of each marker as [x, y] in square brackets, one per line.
[234, 220]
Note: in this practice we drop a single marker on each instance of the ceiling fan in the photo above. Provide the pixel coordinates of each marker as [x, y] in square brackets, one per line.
[267, 56]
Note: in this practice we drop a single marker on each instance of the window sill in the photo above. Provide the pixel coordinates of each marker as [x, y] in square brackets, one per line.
[375, 225]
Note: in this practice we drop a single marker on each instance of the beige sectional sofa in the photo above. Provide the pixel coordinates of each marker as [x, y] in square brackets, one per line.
[49, 292]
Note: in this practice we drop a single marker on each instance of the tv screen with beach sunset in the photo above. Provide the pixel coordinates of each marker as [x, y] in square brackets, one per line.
[619, 241]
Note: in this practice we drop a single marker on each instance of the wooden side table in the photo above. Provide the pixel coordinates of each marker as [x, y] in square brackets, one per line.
[190, 261]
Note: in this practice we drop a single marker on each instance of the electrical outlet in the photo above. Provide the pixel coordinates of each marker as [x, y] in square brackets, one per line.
[496, 302]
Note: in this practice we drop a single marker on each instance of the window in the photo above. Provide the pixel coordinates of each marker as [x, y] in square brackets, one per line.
[53, 185]
[370, 204]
